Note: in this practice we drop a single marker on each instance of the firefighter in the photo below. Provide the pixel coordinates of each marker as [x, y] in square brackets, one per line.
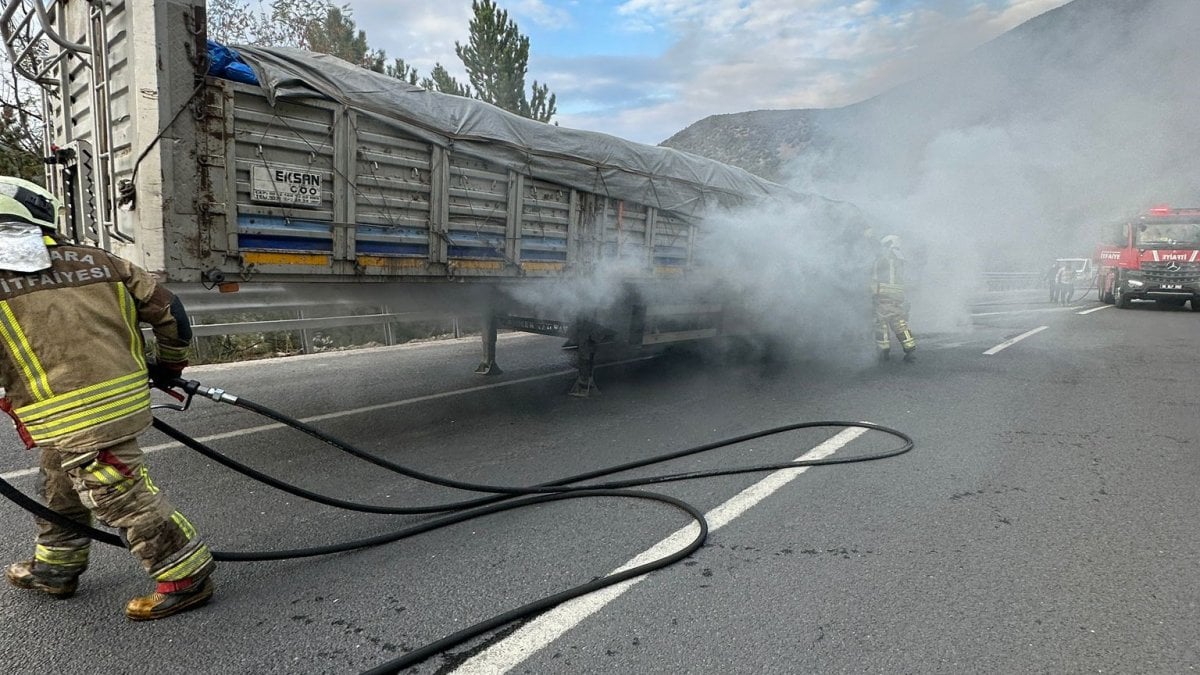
[1053, 276]
[1065, 281]
[75, 376]
[891, 308]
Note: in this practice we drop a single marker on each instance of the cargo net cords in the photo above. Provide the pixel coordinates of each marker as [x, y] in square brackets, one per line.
[501, 498]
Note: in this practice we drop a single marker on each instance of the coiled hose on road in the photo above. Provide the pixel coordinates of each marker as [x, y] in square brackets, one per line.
[502, 498]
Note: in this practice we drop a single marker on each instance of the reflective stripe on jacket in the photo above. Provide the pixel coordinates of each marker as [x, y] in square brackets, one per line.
[72, 359]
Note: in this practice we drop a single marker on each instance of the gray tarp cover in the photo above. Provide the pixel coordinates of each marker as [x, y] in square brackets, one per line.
[661, 177]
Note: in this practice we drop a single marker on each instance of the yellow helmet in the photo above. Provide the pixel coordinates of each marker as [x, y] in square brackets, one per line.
[26, 202]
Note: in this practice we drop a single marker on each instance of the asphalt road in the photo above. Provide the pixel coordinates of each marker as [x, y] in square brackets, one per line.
[1045, 521]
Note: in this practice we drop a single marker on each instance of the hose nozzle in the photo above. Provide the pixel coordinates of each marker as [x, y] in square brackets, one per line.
[193, 388]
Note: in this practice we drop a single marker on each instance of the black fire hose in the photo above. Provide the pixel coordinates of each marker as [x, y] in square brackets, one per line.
[502, 498]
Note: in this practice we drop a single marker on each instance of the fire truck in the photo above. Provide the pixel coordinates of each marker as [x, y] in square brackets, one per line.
[1154, 256]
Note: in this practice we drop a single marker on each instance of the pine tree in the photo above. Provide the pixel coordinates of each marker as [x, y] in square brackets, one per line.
[496, 57]
[400, 70]
[337, 35]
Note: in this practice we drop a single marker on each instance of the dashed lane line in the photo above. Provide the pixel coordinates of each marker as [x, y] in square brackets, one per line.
[1030, 310]
[1094, 309]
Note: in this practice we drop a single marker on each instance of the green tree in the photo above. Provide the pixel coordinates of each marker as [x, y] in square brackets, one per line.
[337, 35]
[400, 70]
[496, 57]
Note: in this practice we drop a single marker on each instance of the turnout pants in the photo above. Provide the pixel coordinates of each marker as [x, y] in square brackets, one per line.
[891, 316]
[113, 486]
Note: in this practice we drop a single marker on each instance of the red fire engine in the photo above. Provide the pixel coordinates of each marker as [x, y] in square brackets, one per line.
[1155, 256]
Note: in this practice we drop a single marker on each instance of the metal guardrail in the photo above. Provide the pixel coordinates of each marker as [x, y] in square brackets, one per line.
[1013, 281]
[268, 300]
[302, 323]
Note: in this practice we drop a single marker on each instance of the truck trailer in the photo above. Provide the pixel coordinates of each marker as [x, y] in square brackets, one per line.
[315, 173]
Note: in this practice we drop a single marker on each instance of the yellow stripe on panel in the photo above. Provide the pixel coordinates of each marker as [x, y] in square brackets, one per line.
[267, 258]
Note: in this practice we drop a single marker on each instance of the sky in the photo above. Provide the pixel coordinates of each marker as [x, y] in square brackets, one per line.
[646, 69]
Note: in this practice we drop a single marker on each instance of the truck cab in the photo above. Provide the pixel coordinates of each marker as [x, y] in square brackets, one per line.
[1155, 256]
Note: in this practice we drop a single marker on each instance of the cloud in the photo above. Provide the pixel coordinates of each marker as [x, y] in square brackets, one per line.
[422, 32]
[541, 13]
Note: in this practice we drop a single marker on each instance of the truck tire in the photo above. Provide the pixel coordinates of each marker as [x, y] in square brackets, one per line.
[1195, 304]
[1120, 298]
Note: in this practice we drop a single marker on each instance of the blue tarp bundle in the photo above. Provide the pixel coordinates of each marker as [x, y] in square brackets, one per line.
[227, 64]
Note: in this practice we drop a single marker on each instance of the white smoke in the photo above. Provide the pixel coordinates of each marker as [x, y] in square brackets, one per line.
[1021, 153]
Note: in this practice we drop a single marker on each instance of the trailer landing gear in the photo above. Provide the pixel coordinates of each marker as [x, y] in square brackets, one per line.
[585, 383]
[488, 365]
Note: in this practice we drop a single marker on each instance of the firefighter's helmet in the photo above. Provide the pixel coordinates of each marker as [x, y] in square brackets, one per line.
[27, 215]
[891, 246]
[27, 202]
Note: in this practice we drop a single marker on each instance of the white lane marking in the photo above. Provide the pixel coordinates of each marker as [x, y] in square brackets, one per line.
[1008, 343]
[514, 649]
[17, 474]
[354, 411]
[1023, 311]
[1094, 309]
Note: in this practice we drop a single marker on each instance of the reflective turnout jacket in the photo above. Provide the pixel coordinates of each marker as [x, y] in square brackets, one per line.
[72, 360]
[889, 274]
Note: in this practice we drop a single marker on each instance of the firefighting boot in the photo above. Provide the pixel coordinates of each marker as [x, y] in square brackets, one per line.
[169, 598]
[884, 355]
[909, 356]
[55, 580]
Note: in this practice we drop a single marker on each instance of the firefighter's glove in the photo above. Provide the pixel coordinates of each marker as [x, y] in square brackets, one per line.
[164, 375]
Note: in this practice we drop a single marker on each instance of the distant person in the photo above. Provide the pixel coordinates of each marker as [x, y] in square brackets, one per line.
[1050, 281]
[891, 306]
[1064, 281]
[75, 380]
